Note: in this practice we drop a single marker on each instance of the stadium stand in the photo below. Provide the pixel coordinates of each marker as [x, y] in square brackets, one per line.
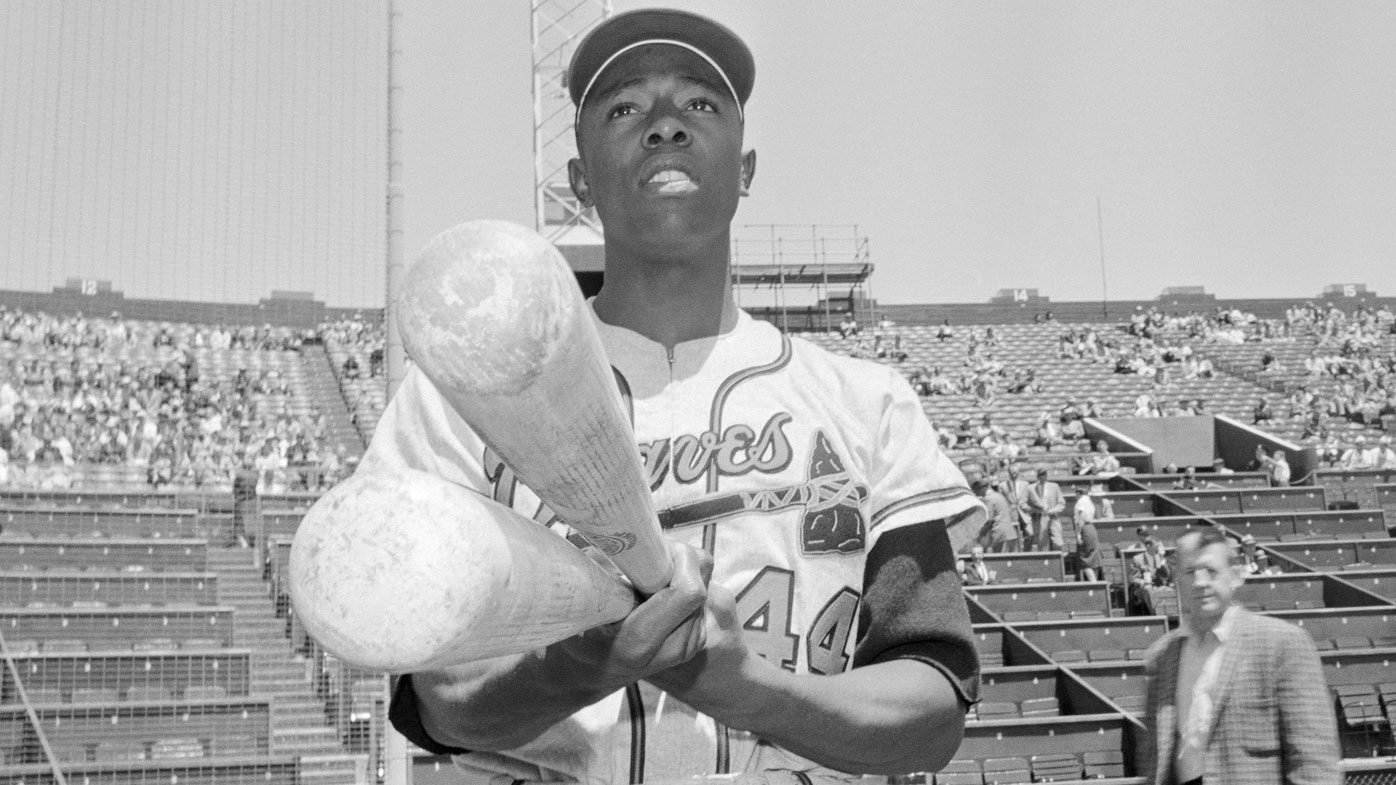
[154, 653]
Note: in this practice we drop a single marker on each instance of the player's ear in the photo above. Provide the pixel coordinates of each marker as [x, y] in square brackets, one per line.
[748, 172]
[577, 178]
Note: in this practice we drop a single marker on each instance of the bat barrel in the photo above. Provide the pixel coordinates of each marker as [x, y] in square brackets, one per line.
[494, 317]
[405, 571]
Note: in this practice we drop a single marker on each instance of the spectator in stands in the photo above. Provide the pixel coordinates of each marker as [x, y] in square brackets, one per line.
[1254, 560]
[1361, 456]
[1234, 697]
[1023, 382]
[998, 534]
[1072, 421]
[1088, 559]
[945, 332]
[1189, 481]
[1150, 576]
[1015, 491]
[1277, 466]
[1386, 455]
[1262, 412]
[1048, 433]
[920, 381]
[1046, 504]
[976, 572]
[849, 326]
[1101, 462]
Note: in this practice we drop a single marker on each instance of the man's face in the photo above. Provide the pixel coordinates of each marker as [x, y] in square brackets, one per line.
[1209, 581]
[977, 553]
[660, 150]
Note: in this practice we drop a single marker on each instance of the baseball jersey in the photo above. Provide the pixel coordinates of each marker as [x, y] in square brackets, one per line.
[785, 461]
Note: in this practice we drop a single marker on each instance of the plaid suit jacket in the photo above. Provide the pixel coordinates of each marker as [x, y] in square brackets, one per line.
[1273, 721]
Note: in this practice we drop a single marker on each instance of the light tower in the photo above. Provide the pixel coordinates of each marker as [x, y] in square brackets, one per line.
[557, 27]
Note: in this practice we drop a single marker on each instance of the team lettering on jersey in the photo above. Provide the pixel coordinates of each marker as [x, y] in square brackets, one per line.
[738, 450]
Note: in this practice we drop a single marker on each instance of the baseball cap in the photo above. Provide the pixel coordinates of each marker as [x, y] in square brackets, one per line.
[715, 43]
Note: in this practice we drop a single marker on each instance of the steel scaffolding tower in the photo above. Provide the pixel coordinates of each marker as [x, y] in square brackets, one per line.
[557, 27]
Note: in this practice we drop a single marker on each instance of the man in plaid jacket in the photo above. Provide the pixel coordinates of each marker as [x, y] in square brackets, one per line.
[1234, 697]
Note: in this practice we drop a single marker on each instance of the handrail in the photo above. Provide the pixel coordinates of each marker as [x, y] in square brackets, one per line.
[10, 665]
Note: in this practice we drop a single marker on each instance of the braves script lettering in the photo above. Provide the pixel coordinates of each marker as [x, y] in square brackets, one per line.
[739, 450]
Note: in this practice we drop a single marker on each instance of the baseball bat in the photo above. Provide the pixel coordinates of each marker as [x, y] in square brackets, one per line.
[494, 317]
[404, 571]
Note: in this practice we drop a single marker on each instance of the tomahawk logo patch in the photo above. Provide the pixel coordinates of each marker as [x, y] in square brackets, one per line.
[833, 522]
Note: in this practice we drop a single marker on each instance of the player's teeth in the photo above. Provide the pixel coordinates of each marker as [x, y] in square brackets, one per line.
[669, 176]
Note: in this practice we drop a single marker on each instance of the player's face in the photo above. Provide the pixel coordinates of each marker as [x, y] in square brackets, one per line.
[660, 150]
[1209, 581]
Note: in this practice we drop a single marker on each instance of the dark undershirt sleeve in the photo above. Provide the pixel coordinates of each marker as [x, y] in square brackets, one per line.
[913, 607]
[402, 712]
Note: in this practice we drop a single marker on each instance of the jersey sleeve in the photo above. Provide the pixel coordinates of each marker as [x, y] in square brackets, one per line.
[913, 607]
[913, 481]
[419, 430]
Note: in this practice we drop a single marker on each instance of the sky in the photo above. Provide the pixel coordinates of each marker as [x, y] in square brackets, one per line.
[223, 149]
[1243, 146]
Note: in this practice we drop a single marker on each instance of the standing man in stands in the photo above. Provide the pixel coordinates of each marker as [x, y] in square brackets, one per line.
[1277, 466]
[245, 504]
[1234, 697]
[1015, 491]
[998, 533]
[1046, 503]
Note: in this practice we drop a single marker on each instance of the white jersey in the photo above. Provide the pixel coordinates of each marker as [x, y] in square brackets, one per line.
[785, 461]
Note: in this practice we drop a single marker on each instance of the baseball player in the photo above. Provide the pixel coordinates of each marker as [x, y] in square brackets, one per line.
[814, 624]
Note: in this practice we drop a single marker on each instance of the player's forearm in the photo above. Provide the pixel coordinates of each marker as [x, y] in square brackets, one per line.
[501, 703]
[888, 718]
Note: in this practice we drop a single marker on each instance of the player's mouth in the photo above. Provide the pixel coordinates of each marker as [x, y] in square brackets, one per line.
[670, 180]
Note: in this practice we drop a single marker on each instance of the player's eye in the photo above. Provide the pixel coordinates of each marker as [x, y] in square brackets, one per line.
[702, 105]
[621, 110]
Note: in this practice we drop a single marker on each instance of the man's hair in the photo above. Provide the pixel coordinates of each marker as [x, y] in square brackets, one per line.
[1206, 538]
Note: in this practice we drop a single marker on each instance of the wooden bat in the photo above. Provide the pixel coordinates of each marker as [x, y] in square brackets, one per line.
[405, 571]
[494, 317]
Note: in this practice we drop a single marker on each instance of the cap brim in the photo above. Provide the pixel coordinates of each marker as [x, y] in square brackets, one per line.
[718, 42]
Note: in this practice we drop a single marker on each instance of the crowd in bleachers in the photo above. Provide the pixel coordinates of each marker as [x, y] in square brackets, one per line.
[77, 392]
[357, 351]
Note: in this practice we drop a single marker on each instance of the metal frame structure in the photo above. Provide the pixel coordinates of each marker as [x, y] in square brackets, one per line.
[557, 25]
[815, 256]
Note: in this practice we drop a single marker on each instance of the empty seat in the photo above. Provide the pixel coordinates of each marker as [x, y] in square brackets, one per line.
[988, 710]
[1006, 771]
[1134, 704]
[1069, 655]
[1040, 707]
[96, 695]
[149, 692]
[120, 750]
[1106, 655]
[1055, 767]
[1104, 764]
[163, 749]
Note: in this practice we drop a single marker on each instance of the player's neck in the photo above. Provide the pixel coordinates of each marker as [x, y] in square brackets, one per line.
[667, 301]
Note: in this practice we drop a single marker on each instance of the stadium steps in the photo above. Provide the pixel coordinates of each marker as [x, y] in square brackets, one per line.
[333, 769]
[304, 741]
[323, 386]
[299, 724]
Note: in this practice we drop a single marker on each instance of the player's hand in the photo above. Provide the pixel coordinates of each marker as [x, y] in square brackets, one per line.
[716, 681]
[664, 630]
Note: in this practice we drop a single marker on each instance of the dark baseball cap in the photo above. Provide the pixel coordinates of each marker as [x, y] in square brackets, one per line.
[722, 48]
